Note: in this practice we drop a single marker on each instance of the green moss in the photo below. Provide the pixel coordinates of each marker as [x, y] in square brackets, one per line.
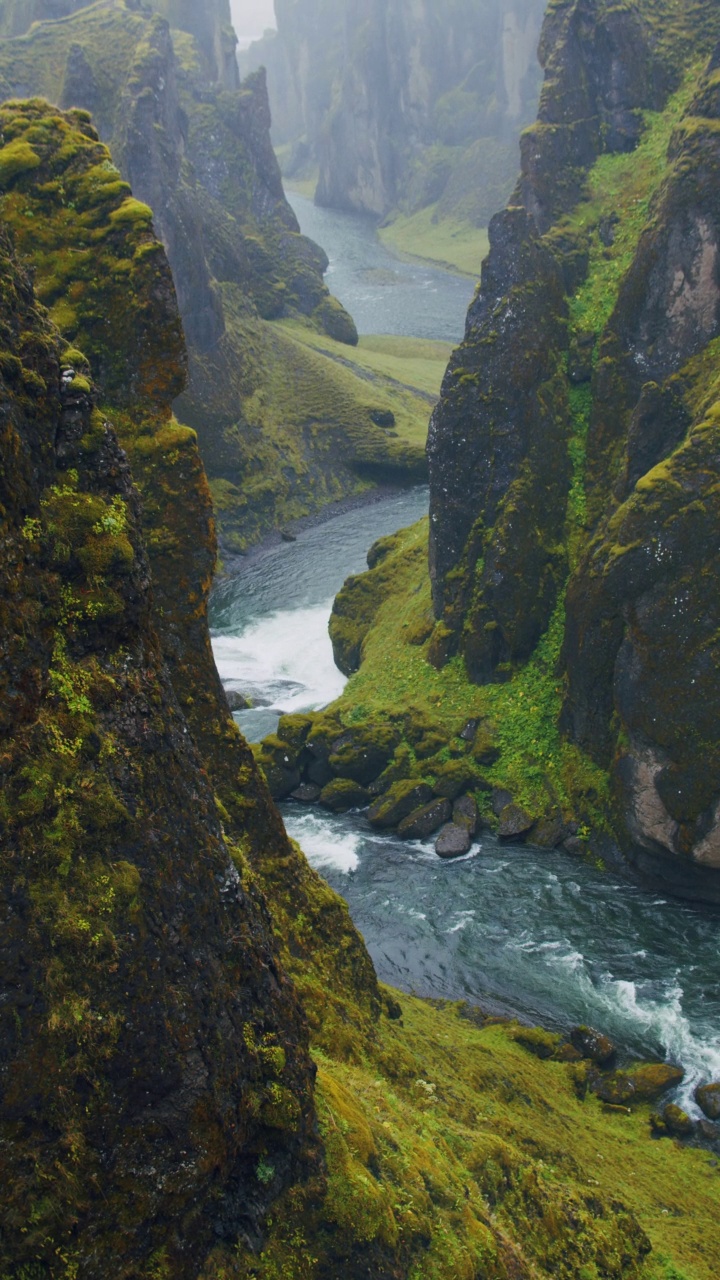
[17, 158]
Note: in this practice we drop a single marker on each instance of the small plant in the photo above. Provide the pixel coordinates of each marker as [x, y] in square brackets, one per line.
[265, 1172]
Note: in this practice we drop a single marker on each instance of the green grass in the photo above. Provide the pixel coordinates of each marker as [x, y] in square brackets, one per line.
[446, 242]
[625, 185]
[445, 1138]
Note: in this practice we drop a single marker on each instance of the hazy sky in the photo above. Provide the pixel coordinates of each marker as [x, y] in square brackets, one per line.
[252, 17]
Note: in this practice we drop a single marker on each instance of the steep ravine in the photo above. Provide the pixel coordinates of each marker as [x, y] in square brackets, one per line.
[200, 1076]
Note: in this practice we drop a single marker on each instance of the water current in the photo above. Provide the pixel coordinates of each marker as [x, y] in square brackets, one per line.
[509, 928]
[383, 293]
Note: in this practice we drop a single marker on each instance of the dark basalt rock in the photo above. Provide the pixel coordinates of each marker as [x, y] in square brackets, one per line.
[677, 1121]
[707, 1097]
[383, 418]
[465, 814]
[425, 822]
[341, 795]
[515, 822]
[401, 800]
[593, 1045]
[453, 841]
[308, 793]
[237, 701]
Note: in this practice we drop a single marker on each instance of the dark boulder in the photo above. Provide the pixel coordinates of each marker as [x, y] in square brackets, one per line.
[426, 821]
[237, 701]
[707, 1097]
[642, 1083]
[593, 1045]
[465, 814]
[453, 841]
[383, 418]
[515, 822]
[677, 1121]
[401, 800]
[342, 794]
[308, 793]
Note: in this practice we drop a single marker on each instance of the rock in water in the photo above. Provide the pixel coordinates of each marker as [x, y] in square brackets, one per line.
[453, 841]
[465, 814]
[707, 1097]
[425, 822]
[515, 822]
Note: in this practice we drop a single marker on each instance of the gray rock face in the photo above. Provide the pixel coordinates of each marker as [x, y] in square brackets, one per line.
[425, 822]
[405, 102]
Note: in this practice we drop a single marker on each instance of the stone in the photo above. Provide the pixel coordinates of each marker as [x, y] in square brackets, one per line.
[574, 846]
[643, 1083]
[341, 795]
[547, 833]
[593, 1045]
[287, 536]
[468, 732]
[500, 800]
[453, 841]
[515, 822]
[458, 776]
[426, 821]
[707, 1097]
[568, 1053]
[308, 793]
[541, 1043]
[400, 801]
[237, 701]
[677, 1121]
[707, 1131]
[465, 814]
[384, 418]
[363, 754]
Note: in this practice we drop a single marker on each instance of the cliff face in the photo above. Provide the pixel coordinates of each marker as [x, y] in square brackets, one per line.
[405, 105]
[196, 148]
[575, 430]
[152, 1050]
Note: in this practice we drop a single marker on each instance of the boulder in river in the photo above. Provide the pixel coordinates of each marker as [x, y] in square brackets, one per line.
[642, 1083]
[592, 1044]
[515, 822]
[707, 1097]
[237, 701]
[307, 793]
[453, 841]
[342, 794]
[426, 821]
[465, 814]
[401, 800]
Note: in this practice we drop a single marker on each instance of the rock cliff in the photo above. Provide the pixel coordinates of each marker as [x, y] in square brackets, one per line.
[405, 105]
[573, 432]
[163, 89]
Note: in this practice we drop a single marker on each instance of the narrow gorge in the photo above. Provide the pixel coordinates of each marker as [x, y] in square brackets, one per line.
[252, 1027]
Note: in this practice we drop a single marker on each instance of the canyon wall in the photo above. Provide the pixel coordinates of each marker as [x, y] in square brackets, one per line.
[404, 105]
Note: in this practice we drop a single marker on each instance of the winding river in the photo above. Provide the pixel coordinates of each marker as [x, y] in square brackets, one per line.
[510, 928]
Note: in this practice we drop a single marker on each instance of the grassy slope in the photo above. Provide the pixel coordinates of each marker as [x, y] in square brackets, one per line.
[453, 1133]
[448, 242]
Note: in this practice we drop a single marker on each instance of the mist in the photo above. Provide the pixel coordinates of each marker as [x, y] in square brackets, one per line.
[251, 18]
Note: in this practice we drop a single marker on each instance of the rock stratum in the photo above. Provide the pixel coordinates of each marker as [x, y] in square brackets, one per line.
[571, 607]
[162, 85]
[404, 105]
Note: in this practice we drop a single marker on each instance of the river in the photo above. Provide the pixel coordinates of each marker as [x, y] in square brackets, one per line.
[550, 938]
[383, 293]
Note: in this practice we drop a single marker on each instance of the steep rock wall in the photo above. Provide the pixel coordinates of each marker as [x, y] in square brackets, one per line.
[152, 1049]
[595, 456]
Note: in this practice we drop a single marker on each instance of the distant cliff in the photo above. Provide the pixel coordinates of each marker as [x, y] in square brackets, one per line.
[405, 105]
[164, 91]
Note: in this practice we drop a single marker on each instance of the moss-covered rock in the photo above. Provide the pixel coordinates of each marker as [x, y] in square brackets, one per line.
[643, 1083]
[402, 799]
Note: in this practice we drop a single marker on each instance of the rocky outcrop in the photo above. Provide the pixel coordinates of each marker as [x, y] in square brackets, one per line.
[404, 105]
